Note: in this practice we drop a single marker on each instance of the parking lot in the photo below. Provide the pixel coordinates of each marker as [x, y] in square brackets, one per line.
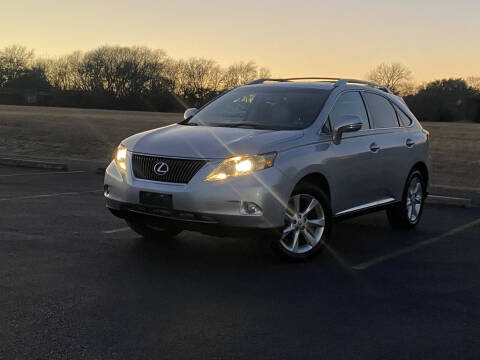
[76, 283]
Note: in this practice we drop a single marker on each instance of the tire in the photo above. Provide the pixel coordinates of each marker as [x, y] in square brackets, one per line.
[305, 233]
[152, 232]
[407, 213]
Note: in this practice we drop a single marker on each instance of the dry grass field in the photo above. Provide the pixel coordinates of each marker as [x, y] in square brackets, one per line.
[65, 133]
[455, 149]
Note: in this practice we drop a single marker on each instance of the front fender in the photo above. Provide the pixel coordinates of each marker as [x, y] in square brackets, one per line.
[302, 161]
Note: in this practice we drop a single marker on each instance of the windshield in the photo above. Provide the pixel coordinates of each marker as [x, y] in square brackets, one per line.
[263, 108]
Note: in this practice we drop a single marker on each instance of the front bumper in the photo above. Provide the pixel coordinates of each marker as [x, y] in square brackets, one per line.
[201, 202]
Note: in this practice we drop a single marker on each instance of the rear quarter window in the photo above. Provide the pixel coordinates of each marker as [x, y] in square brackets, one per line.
[402, 117]
[381, 111]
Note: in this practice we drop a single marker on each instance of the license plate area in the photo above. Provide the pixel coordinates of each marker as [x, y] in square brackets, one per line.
[158, 200]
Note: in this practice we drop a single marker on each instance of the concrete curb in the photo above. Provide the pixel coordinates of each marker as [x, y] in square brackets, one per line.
[33, 164]
[100, 170]
[449, 200]
[70, 163]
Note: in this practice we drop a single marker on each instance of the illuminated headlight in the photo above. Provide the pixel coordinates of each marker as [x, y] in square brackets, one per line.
[121, 157]
[241, 165]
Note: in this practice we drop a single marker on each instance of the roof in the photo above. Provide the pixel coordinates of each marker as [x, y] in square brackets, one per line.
[318, 82]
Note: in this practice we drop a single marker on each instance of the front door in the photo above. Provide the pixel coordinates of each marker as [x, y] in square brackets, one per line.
[355, 165]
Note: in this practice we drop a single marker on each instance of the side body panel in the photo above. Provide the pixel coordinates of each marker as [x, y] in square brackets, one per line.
[350, 169]
[356, 175]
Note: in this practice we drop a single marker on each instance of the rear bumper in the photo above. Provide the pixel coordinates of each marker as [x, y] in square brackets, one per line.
[199, 202]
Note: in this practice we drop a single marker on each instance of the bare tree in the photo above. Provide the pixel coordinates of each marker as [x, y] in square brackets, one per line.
[15, 61]
[196, 79]
[122, 71]
[407, 87]
[264, 73]
[241, 73]
[395, 76]
[65, 73]
[473, 82]
[171, 71]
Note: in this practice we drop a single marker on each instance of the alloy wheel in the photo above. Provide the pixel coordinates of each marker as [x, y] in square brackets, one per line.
[414, 199]
[304, 224]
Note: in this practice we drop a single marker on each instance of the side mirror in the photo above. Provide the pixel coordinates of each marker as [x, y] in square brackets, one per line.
[346, 123]
[189, 113]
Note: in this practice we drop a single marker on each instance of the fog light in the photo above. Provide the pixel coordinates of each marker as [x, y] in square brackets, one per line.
[250, 208]
[106, 190]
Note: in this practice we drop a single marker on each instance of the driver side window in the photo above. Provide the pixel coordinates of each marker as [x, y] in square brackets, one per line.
[350, 103]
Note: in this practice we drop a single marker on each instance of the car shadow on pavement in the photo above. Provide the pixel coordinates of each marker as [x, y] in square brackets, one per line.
[353, 241]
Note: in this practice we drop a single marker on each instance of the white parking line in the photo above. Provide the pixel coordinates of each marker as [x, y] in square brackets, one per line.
[463, 188]
[44, 173]
[116, 230]
[50, 195]
[448, 200]
[11, 234]
[409, 249]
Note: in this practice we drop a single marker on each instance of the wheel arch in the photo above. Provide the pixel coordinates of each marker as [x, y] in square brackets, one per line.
[422, 167]
[318, 179]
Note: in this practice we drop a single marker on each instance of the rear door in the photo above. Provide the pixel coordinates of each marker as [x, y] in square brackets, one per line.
[390, 139]
[354, 167]
[409, 146]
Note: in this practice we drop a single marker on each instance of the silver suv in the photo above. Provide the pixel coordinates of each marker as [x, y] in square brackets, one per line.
[286, 156]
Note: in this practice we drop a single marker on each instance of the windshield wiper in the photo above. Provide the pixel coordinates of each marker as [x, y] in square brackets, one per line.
[243, 124]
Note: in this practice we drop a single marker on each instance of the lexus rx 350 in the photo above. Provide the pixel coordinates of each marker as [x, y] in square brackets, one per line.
[284, 156]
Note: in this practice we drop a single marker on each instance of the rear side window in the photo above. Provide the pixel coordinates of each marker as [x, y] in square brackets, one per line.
[402, 117]
[350, 103]
[381, 110]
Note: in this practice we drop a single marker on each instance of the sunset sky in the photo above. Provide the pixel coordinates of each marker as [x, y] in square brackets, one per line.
[435, 39]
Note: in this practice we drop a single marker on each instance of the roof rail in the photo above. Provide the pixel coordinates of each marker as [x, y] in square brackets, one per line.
[319, 79]
[336, 81]
[363, 82]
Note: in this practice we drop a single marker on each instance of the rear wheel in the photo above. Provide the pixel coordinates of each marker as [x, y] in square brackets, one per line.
[151, 231]
[307, 223]
[408, 212]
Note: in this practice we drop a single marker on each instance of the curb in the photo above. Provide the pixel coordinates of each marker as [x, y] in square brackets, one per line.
[100, 170]
[33, 164]
[448, 200]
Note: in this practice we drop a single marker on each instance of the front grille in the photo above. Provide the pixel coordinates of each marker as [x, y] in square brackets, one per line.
[179, 170]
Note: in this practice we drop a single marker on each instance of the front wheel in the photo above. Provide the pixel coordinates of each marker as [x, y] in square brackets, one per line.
[150, 231]
[307, 223]
[408, 212]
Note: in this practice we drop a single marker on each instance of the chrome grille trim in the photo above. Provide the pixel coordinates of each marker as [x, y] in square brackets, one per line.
[180, 170]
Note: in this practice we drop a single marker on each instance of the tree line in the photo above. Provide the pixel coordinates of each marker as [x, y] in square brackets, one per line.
[438, 100]
[120, 77]
[139, 78]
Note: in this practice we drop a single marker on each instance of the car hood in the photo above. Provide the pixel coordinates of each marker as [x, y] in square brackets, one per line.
[209, 142]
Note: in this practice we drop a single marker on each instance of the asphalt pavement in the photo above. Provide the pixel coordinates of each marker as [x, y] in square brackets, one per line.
[76, 283]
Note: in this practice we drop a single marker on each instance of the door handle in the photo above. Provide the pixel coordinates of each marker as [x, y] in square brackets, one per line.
[374, 147]
[409, 143]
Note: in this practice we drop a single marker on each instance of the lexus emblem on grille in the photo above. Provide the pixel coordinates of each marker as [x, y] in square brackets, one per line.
[160, 168]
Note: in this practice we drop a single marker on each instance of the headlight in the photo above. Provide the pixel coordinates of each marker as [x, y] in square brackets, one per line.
[121, 157]
[241, 165]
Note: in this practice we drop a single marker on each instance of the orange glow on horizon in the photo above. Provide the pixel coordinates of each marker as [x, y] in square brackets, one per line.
[434, 39]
